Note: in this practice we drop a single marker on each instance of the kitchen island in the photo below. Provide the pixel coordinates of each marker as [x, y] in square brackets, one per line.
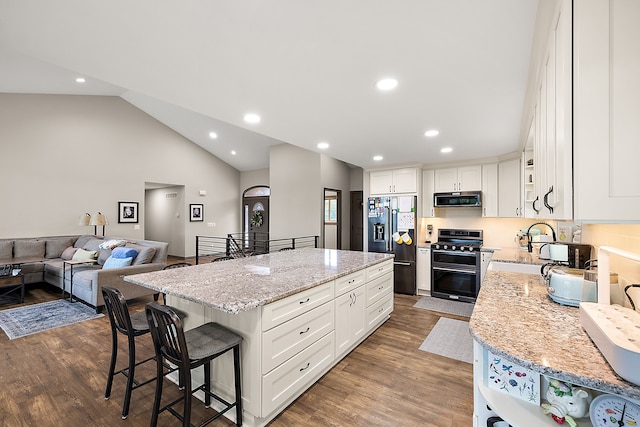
[515, 319]
[300, 312]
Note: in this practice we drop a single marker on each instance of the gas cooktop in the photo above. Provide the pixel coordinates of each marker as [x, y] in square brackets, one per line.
[458, 240]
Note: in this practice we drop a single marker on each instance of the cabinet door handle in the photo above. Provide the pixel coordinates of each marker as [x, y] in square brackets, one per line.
[533, 205]
[389, 189]
[305, 331]
[305, 301]
[306, 367]
[546, 199]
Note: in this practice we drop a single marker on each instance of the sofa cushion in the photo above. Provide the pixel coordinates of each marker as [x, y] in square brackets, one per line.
[68, 253]
[145, 254]
[124, 253]
[82, 254]
[55, 247]
[29, 248]
[6, 248]
[112, 243]
[82, 240]
[92, 245]
[113, 262]
[103, 255]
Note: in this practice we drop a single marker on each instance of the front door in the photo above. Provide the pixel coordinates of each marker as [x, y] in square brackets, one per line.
[255, 220]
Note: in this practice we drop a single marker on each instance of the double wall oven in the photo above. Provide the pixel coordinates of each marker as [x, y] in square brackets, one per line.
[456, 264]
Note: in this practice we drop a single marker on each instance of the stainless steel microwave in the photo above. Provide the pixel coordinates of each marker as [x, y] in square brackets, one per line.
[458, 199]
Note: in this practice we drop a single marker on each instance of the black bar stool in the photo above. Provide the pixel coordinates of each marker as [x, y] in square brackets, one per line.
[131, 326]
[189, 350]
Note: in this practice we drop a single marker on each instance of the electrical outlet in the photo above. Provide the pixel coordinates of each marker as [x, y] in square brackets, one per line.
[136, 227]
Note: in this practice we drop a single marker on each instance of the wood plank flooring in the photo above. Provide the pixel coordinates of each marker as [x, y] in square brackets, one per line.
[57, 378]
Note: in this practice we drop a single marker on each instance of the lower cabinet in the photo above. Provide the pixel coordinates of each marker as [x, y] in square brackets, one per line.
[350, 319]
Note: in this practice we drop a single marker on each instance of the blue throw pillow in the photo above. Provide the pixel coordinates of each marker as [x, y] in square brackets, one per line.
[122, 252]
[112, 262]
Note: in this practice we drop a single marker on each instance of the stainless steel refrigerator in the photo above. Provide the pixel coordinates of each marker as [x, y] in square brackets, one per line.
[392, 227]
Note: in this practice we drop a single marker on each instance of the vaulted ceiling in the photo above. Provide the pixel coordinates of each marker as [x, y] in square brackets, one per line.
[308, 69]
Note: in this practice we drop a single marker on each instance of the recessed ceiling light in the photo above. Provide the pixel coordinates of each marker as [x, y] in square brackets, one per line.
[431, 133]
[446, 150]
[80, 80]
[233, 152]
[386, 84]
[252, 118]
[323, 145]
[377, 158]
[213, 135]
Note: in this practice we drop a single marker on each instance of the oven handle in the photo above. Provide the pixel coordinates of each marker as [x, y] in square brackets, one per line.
[455, 270]
[456, 253]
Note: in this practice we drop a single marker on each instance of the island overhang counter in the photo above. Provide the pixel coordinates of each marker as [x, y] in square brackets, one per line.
[300, 312]
[515, 319]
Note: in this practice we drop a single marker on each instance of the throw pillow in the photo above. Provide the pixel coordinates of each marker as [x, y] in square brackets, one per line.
[82, 254]
[112, 262]
[124, 253]
[113, 243]
[68, 253]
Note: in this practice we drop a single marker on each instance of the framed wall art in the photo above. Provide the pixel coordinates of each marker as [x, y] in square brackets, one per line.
[196, 212]
[128, 212]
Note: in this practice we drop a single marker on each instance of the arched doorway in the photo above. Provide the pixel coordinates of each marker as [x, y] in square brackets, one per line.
[255, 218]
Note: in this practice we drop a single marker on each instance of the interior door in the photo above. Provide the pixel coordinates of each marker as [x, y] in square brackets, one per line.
[356, 238]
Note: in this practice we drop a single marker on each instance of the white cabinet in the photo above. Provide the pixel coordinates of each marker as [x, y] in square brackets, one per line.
[428, 210]
[606, 107]
[393, 181]
[467, 178]
[509, 189]
[350, 319]
[490, 190]
[379, 294]
[423, 271]
[485, 259]
[552, 189]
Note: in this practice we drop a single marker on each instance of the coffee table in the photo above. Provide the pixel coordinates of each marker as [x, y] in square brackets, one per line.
[10, 284]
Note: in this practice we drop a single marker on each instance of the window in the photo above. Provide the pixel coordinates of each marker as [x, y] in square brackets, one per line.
[330, 210]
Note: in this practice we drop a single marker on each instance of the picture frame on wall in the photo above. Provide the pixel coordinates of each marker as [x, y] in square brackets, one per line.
[128, 212]
[196, 212]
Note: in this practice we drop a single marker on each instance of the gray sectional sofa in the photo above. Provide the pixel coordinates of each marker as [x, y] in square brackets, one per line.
[48, 264]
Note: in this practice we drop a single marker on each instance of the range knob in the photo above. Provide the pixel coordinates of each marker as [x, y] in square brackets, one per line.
[437, 246]
[453, 247]
[446, 247]
[471, 248]
[462, 248]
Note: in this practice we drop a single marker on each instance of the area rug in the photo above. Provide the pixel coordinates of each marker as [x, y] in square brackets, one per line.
[450, 338]
[441, 305]
[31, 319]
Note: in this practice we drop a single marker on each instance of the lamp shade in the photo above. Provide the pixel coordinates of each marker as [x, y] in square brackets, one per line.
[84, 219]
[99, 219]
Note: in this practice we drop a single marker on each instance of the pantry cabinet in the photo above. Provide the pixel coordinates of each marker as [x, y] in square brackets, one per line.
[606, 106]
[509, 189]
[428, 210]
[393, 181]
[467, 178]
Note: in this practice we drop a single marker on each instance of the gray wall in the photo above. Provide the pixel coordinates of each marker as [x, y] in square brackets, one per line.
[66, 155]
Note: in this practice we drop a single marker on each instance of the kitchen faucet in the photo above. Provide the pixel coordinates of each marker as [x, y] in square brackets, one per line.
[529, 244]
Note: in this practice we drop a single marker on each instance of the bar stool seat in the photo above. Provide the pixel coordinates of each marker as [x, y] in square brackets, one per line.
[132, 326]
[189, 350]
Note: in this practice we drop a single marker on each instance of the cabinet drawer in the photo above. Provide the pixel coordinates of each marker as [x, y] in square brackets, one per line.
[379, 269]
[286, 309]
[282, 383]
[379, 311]
[349, 282]
[379, 287]
[284, 341]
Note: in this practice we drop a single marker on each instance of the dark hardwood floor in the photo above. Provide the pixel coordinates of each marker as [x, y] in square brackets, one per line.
[57, 378]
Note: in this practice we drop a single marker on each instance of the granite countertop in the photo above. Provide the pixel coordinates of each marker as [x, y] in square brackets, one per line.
[246, 283]
[514, 317]
[517, 256]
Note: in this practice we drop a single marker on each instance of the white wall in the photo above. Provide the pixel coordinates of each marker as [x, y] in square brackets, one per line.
[296, 192]
[66, 155]
[336, 175]
[164, 218]
[253, 178]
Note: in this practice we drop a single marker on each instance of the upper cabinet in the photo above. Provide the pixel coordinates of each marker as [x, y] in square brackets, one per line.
[428, 210]
[393, 181]
[606, 107]
[490, 190]
[549, 195]
[509, 189]
[467, 178]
